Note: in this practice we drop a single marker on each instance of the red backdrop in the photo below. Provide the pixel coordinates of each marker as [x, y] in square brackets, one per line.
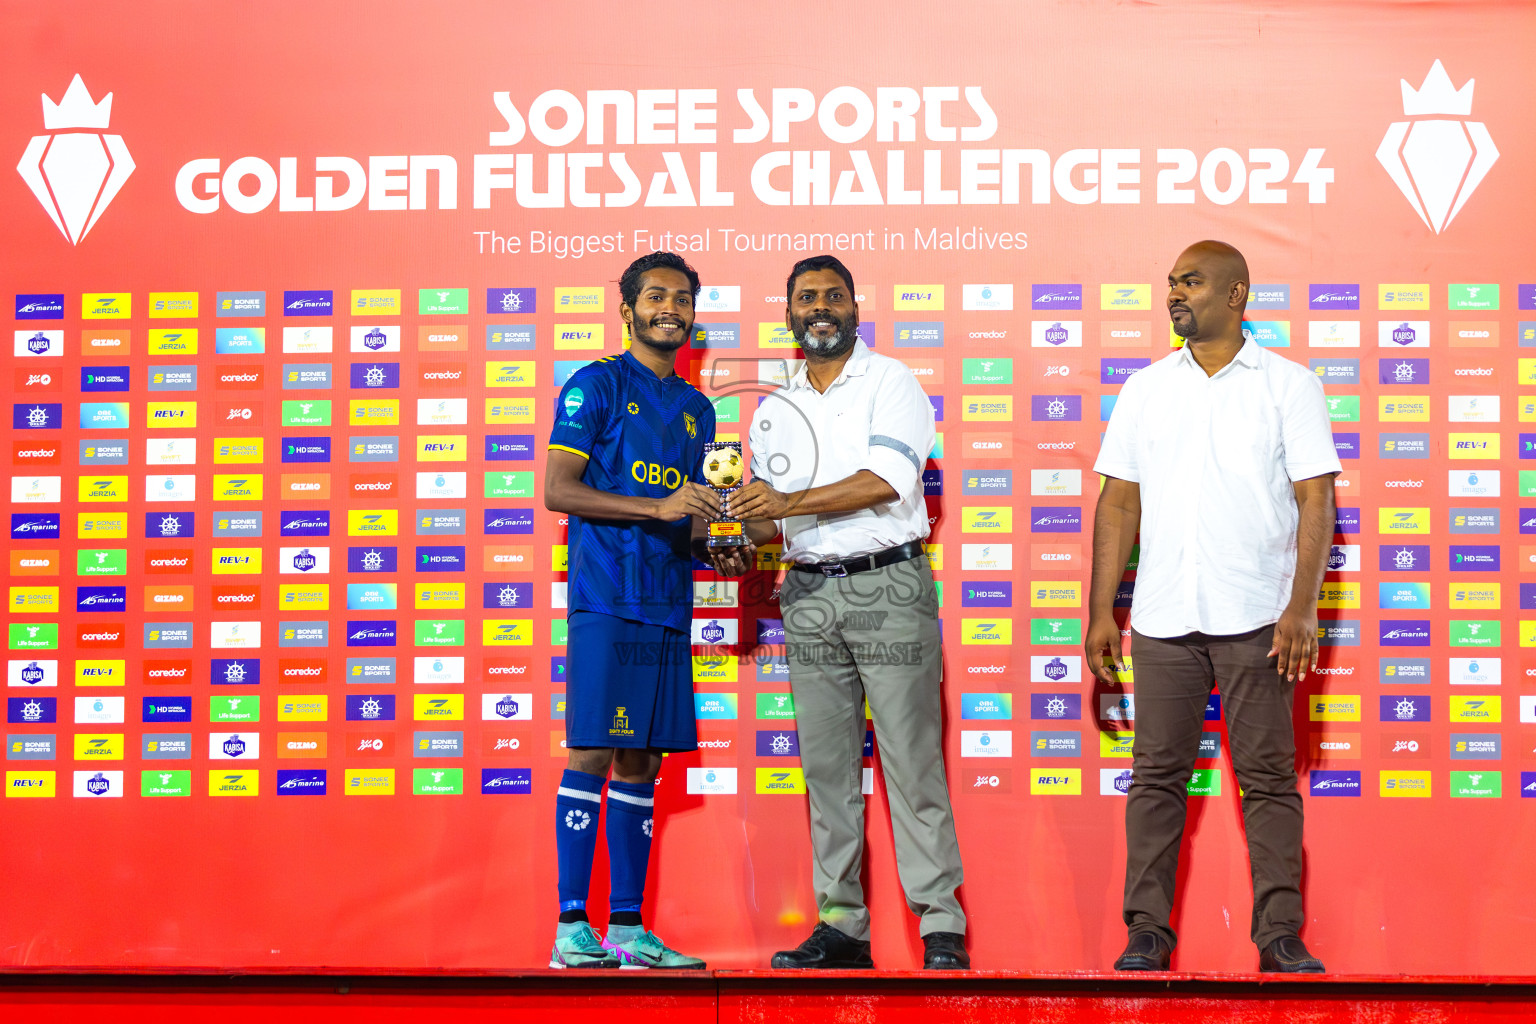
[1079, 146]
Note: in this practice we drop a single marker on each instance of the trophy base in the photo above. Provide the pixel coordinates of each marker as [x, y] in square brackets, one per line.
[726, 533]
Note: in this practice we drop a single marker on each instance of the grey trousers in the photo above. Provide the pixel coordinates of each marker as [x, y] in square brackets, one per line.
[873, 635]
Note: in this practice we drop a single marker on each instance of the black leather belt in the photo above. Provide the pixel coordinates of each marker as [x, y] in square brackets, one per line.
[837, 570]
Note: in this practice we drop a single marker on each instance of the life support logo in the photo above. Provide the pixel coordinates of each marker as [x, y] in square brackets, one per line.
[75, 174]
[1435, 162]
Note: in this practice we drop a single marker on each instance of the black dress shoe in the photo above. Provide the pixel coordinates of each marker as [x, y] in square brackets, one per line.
[1287, 955]
[945, 951]
[1145, 952]
[826, 949]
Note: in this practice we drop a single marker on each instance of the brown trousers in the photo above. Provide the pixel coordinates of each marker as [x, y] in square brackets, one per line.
[1173, 679]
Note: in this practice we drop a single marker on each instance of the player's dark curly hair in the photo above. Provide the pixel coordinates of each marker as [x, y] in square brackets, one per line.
[629, 284]
[811, 263]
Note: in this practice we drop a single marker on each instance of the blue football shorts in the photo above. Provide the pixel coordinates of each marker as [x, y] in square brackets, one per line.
[628, 684]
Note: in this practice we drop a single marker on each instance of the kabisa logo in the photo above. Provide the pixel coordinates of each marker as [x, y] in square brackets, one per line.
[1437, 164]
[76, 174]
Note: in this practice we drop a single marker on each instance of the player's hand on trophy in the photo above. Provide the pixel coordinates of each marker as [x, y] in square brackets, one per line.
[757, 500]
[690, 499]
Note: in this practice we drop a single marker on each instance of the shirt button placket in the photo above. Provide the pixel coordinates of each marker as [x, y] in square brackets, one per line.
[1192, 553]
[813, 413]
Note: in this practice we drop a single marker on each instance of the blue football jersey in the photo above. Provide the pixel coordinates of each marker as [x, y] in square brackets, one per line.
[642, 436]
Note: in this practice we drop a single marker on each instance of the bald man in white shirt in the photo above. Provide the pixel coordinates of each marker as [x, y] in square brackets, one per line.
[1222, 456]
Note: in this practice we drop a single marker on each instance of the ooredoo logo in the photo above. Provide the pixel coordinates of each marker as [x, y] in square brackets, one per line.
[1437, 163]
[75, 174]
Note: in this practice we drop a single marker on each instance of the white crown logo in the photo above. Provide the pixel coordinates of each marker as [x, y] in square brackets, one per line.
[1437, 164]
[76, 109]
[1435, 95]
[75, 175]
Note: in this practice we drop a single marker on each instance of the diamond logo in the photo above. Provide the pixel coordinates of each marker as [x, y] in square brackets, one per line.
[1437, 163]
[75, 174]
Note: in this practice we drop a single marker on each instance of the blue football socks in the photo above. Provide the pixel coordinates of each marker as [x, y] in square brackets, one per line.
[630, 808]
[576, 805]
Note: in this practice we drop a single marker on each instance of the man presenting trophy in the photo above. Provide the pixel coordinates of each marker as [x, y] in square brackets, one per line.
[837, 461]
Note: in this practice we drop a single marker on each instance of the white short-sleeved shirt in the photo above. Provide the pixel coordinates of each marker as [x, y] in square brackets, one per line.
[874, 416]
[1215, 458]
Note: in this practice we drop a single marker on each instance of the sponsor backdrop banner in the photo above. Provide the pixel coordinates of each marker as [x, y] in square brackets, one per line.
[292, 298]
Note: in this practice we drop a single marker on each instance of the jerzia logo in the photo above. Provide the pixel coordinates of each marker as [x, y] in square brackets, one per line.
[1437, 163]
[75, 174]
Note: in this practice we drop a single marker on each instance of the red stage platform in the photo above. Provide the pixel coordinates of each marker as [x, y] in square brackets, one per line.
[749, 997]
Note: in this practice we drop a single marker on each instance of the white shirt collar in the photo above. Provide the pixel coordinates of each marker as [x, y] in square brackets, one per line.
[1249, 355]
[856, 366]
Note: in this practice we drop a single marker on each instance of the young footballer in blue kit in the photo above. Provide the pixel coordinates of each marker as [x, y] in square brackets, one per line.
[625, 463]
